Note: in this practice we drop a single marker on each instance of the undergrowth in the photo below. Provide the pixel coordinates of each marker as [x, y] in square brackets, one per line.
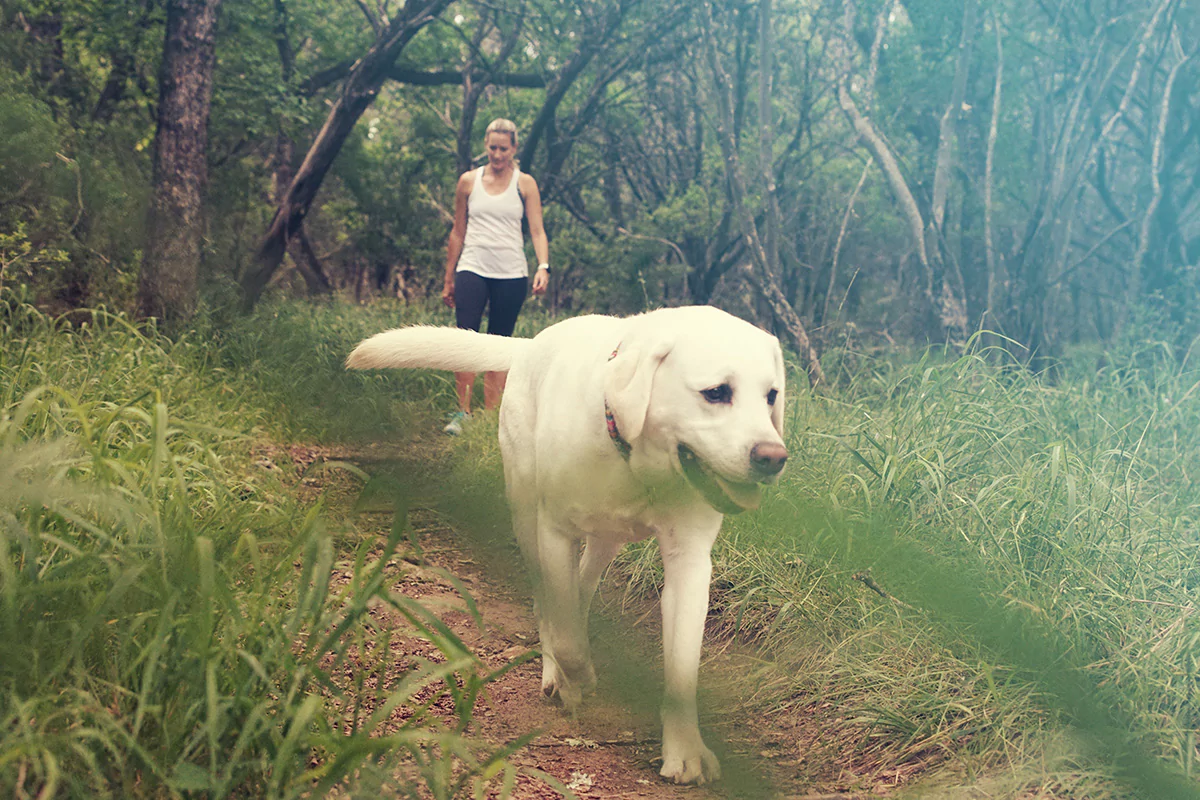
[984, 572]
[169, 625]
[972, 561]
[977, 567]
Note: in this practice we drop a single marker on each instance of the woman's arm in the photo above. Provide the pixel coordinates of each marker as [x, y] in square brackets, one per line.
[454, 245]
[537, 232]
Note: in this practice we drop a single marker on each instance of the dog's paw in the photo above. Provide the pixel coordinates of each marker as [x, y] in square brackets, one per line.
[556, 684]
[695, 764]
[552, 677]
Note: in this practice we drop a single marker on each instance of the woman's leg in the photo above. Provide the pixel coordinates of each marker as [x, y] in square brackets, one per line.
[493, 388]
[464, 385]
[505, 298]
[470, 296]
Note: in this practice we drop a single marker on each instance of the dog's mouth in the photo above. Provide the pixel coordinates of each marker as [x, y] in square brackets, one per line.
[726, 496]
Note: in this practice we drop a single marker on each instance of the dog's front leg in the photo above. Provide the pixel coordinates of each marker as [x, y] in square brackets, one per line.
[566, 655]
[687, 569]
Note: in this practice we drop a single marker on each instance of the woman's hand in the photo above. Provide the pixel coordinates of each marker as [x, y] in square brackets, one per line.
[448, 292]
[541, 280]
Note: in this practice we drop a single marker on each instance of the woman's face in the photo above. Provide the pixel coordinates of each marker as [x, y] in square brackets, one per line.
[500, 149]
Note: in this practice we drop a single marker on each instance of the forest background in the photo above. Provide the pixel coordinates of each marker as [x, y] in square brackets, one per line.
[864, 179]
[915, 171]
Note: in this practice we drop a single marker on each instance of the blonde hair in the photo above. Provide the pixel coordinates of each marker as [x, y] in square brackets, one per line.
[501, 125]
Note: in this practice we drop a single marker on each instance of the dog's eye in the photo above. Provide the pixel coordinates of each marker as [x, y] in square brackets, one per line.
[771, 395]
[718, 394]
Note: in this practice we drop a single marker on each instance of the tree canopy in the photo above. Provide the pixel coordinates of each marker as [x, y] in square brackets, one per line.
[914, 170]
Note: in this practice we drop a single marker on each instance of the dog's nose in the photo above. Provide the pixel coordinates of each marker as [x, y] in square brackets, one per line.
[768, 458]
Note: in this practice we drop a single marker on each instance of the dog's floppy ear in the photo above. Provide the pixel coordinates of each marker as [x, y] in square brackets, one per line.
[781, 373]
[630, 380]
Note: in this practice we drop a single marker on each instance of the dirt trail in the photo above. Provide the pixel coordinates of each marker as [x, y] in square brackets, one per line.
[611, 750]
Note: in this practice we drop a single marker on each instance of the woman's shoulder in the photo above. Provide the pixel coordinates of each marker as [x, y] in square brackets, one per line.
[525, 182]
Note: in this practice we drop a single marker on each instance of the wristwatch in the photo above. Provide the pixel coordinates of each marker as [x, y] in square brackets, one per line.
[545, 267]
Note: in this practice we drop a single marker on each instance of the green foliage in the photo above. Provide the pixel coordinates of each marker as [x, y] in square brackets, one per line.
[291, 355]
[21, 262]
[29, 138]
[1024, 526]
[170, 622]
[1035, 538]
[67, 204]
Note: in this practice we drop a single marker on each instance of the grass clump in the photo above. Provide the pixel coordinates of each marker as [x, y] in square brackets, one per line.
[973, 566]
[965, 567]
[1038, 542]
[170, 622]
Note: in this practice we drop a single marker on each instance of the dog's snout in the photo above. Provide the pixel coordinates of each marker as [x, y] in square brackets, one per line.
[768, 458]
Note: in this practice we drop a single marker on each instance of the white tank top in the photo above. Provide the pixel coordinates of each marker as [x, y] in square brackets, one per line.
[493, 246]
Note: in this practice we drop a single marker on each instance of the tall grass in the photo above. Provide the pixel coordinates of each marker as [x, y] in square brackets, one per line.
[978, 566]
[169, 622]
[1038, 538]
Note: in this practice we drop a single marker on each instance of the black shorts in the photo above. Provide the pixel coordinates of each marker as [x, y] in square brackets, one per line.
[502, 296]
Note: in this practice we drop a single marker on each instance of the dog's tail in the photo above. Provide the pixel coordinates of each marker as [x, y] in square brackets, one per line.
[436, 348]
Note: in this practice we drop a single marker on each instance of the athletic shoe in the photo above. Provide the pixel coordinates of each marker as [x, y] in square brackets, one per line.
[455, 426]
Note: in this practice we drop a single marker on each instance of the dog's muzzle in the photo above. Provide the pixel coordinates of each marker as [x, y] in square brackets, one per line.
[729, 496]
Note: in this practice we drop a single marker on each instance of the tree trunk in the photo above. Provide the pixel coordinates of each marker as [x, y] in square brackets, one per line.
[766, 139]
[356, 96]
[315, 279]
[990, 318]
[301, 251]
[953, 290]
[472, 88]
[171, 263]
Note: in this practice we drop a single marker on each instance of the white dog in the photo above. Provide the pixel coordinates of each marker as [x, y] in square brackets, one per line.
[613, 430]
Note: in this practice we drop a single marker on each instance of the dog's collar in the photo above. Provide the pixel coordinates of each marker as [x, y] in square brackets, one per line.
[623, 447]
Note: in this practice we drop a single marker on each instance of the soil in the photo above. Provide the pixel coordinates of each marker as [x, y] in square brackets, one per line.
[770, 746]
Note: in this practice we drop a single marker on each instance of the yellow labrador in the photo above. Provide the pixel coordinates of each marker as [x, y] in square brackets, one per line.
[614, 430]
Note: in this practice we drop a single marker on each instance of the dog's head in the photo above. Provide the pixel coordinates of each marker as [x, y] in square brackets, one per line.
[706, 391]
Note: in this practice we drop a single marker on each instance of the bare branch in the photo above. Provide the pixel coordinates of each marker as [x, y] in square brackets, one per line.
[419, 77]
[372, 19]
[74, 165]
[837, 248]
[881, 24]
[679, 253]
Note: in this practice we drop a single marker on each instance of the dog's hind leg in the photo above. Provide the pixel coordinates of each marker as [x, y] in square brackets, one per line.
[597, 555]
[523, 503]
[567, 662]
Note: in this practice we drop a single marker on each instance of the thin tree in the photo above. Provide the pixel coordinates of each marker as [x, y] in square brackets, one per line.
[301, 250]
[989, 236]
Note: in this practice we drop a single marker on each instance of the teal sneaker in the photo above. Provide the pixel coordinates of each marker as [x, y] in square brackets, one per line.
[455, 426]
